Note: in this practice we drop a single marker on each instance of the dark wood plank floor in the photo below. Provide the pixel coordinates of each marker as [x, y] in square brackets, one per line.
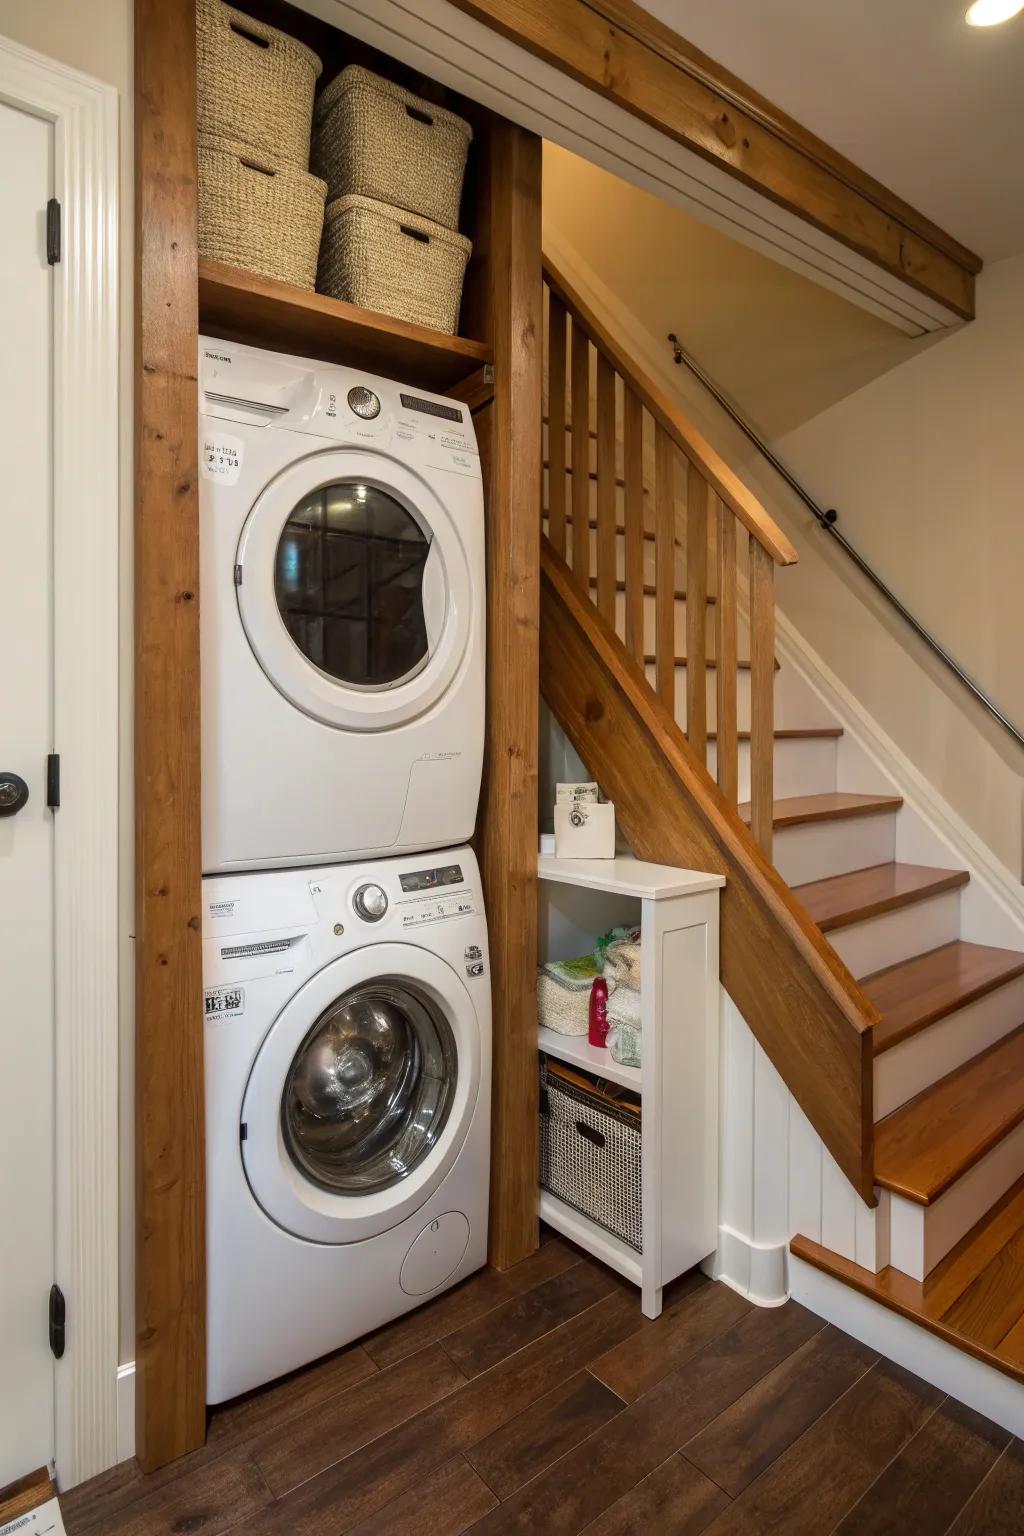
[541, 1400]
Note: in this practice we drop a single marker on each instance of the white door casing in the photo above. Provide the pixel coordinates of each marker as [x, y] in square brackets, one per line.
[81, 114]
[26, 835]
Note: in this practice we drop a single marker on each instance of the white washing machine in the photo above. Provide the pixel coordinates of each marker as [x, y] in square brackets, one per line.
[342, 613]
[348, 1069]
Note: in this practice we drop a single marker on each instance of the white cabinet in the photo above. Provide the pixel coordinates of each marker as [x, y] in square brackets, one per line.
[677, 912]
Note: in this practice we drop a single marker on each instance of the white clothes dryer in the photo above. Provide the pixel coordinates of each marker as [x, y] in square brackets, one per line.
[348, 1071]
[342, 613]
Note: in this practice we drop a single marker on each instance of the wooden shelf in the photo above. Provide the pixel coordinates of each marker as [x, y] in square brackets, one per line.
[240, 306]
[578, 1052]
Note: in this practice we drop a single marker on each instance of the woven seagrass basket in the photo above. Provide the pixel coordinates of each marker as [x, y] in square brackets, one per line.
[254, 84]
[590, 1156]
[395, 262]
[259, 215]
[374, 139]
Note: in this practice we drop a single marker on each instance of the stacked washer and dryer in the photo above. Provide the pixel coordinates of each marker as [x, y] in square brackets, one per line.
[347, 994]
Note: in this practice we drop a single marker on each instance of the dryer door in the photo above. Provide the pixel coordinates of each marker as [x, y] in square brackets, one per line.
[362, 1094]
[354, 589]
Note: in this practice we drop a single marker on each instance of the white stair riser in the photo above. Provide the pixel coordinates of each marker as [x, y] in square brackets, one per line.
[915, 1064]
[921, 1235]
[742, 696]
[803, 766]
[894, 936]
[816, 849]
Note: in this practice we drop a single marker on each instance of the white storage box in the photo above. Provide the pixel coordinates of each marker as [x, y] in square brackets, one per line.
[585, 831]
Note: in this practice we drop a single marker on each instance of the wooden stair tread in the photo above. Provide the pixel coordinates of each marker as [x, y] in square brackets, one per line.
[916, 993]
[974, 1297]
[680, 661]
[840, 900]
[793, 733]
[926, 1145]
[834, 806]
[650, 590]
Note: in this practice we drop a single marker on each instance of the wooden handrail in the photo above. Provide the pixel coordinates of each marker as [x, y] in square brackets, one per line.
[794, 992]
[726, 484]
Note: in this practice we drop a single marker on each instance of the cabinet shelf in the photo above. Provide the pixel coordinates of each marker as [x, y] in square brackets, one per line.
[577, 1051]
[235, 305]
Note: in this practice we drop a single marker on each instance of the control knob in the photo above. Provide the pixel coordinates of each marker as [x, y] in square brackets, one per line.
[370, 902]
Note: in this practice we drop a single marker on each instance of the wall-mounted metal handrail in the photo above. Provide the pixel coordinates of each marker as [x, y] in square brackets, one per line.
[827, 520]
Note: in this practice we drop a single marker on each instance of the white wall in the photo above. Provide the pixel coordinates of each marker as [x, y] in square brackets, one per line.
[96, 37]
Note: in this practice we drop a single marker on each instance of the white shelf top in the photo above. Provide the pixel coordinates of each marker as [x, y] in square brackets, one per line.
[578, 1052]
[627, 876]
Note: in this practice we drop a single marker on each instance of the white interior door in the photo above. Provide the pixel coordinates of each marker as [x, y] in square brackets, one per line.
[26, 836]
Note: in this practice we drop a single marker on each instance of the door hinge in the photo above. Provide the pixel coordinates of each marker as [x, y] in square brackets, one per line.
[53, 231]
[58, 1315]
[53, 781]
[238, 575]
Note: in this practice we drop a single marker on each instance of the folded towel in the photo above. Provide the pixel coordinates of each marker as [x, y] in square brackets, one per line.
[624, 1034]
[614, 936]
[563, 994]
[624, 1006]
[622, 964]
[625, 1045]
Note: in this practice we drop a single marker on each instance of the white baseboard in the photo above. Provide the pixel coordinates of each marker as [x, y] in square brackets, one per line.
[981, 1387]
[126, 1411]
[755, 1270]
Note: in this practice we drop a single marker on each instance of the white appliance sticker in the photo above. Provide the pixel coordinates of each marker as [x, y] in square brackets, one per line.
[221, 457]
[44, 1520]
[225, 1002]
[437, 909]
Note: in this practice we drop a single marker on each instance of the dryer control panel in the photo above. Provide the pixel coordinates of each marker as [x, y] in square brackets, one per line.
[293, 394]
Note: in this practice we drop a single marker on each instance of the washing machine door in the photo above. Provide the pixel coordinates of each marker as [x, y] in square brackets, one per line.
[362, 1094]
[354, 589]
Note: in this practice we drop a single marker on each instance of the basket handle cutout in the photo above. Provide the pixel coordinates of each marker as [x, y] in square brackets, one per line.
[250, 165]
[250, 37]
[589, 1134]
[414, 234]
[421, 117]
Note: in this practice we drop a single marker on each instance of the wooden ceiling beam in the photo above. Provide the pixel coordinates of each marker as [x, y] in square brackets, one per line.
[626, 55]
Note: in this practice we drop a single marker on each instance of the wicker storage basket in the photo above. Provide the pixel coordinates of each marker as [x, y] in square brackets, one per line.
[259, 215]
[385, 259]
[590, 1156]
[375, 139]
[254, 84]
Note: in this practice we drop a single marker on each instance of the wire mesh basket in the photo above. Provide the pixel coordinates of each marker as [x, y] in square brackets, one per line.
[590, 1155]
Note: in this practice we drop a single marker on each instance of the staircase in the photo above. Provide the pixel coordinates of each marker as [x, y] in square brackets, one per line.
[901, 1038]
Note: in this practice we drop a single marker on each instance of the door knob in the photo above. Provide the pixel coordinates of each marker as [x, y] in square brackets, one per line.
[13, 793]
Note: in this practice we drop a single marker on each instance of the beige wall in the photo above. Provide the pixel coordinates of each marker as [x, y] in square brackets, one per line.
[776, 341]
[922, 463]
[926, 467]
[96, 37]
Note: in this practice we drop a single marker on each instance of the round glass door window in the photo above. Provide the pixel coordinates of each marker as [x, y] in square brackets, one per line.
[348, 578]
[369, 1089]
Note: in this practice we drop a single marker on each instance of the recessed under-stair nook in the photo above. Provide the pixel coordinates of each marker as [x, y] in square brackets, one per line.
[880, 977]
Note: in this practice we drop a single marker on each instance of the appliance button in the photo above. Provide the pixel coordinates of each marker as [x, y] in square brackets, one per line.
[363, 402]
[370, 902]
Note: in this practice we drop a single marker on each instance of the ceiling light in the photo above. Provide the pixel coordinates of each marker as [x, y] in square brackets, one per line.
[989, 13]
